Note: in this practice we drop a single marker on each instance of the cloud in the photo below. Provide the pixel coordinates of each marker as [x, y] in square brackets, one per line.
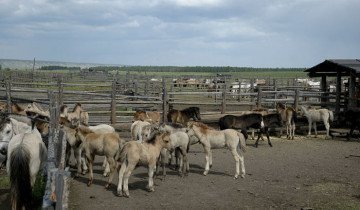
[181, 32]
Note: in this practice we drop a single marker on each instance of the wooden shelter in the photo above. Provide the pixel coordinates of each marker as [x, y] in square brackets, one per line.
[348, 69]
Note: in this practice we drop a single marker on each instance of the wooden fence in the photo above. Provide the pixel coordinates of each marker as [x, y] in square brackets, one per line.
[114, 100]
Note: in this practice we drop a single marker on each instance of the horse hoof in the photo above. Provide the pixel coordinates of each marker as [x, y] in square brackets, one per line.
[205, 173]
[89, 183]
[236, 176]
[256, 145]
[210, 166]
[119, 194]
[107, 186]
[243, 176]
[270, 145]
[151, 189]
[105, 174]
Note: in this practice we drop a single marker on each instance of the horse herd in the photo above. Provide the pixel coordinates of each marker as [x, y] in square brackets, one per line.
[152, 143]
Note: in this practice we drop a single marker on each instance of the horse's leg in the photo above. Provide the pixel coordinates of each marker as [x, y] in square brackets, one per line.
[104, 162]
[112, 166]
[327, 126]
[121, 175]
[267, 136]
[207, 157]
[257, 141]
[242, 165]
[309, 127]
[107, 169]
[77, 154]
[127, 174]
[293, 130]
[90, 158]
[288, 130]
[236, 158]
[315, 129]
[152, 168]
[253, 134]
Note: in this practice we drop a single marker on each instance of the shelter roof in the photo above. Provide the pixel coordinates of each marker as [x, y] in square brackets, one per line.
[332, 67]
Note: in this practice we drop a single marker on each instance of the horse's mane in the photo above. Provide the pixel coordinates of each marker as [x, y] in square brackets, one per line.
[280, 105]
[190, 111]
[76, 106]
[62, 108]
[202, 126]
[4, 116]
[175, 125]
[152, 139]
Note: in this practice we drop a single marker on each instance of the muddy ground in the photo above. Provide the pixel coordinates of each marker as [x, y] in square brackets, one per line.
[302, 173]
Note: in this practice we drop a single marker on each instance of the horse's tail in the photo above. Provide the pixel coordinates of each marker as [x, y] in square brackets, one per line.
[188, 146]
[121, 147]
[242, 139]
[122, 156]
[20, 188]
[331, 116]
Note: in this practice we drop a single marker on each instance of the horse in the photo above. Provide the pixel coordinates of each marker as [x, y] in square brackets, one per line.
[10, 127]
[77, 113]
[317, 115]
[213, 139]
[136, 129]
[243, 122]
[350, 118]
[153, 117]
[35, 108]
[288, 115]
[184, 116]
[104, 144]
[270, 120]
[26, 155]
[145, 153]
[15, 108]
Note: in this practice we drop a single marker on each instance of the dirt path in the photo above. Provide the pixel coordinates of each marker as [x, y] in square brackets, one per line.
[312, 173]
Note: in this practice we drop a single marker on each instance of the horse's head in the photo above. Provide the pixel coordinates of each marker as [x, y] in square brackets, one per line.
[197, 113]
[165, 140]
[6, 132]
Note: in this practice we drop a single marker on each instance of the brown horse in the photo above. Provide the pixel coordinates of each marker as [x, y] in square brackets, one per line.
[288, 115]
[184, 116]
[153, 117]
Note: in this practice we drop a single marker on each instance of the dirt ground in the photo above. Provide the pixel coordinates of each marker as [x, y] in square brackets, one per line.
[304, 173]
[308, 173]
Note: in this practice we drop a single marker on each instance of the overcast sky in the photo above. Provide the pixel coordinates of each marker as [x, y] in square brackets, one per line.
[255, 33]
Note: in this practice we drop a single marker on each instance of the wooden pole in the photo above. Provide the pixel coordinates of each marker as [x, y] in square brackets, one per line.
[338, 94]
[223, 102]
[259, 97]
[352, 91]
[165, 101]
[60, 90]
[113, 103]
[8, 95]
[296, 99]
[239, 97]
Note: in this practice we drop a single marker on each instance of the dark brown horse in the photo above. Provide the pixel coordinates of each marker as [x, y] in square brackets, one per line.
[270, 121]
[184, 116]
[243, 122]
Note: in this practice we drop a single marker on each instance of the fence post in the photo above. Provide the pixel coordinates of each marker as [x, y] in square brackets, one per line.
[165, 100]
[60, 90]
[223, 103]
[113, 103]
[239, 97]
[296, 99]
[171, 106]
[275, 89]
[252, 91]
[259, 97]
[8, 94]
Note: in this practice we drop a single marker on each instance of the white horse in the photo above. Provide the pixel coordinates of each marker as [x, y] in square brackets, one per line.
[26, 154]
[214, 139]
[10, 127]
[136, 130]
[317, 115]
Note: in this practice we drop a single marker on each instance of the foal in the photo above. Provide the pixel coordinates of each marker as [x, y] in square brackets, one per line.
[104, 144]
[317, 115]
[214, 139]
[146, 153]
[288, 115]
